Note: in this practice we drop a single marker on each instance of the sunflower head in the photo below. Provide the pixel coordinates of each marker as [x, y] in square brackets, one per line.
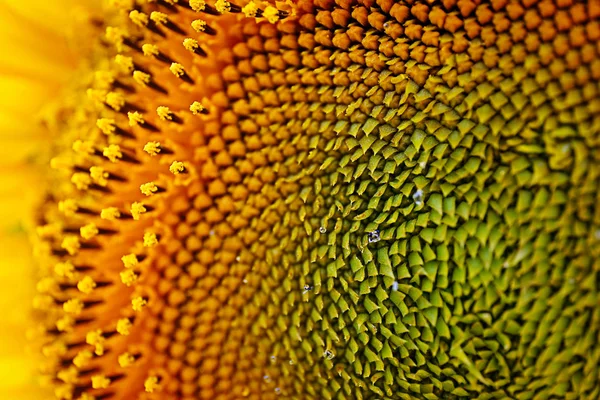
[326, 200]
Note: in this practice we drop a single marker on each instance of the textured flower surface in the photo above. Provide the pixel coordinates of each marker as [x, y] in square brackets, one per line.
[366, 199]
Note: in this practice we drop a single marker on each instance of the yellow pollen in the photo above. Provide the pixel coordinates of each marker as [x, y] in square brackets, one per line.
[138, 18]
[124, 326]
[137, 303]
[137, 209]
[112, 152]
[158, 17]
[141, 77]
[135, 118]
[150, 239]
[199, 26]
[103, 79]
[177, 167]
[126, 360]
[148, 188]
[197, 5]
[83, 147]
[125, 63]
[222, 6]
[115, 36]
[65, 270]
[177, 69]
[67, 207]
[152, 148]
[196, 108]
[164, 113]
[110, 213]
[190, 44]
[86, 285]
[250, 9]
[82, 358]
[71, 244]
[73, 306]
[106, 125]
[68, 375]
[128, 277]
[96, 95]
[115, 100]
[151, 384]
[88, 231]
[86, 396]
[95, 338]
[150, 50]
[100, 382]
[99, 176]
[65, 324]
[81, 180]
[271, 14]
[130, 260]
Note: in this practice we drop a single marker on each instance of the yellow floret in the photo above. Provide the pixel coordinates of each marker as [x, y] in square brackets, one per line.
[128, 277]
[177, 70]
[150, 50]
[110, 213]
[82, 358]
[150, 239]
[106, 125]
[135, 118]
[67, 207]
[86, 285]
[197, 5]
[151, 384]
[137, 303]
[96, 339]
[73, 306]
[88, 231]
[137, 209]
[152, 148]
[100, 382]
[222, 6]
[81, 180]
[138, 18]
[148, 188]
[124, 62]
[198, 25]
[71, 244]
[158, 17]
[125, 360]
[115, 100]
[271, 14]
[141, 77]
[164, 113]
[129, 260]
[177, 167]
[196, 108]
[112, 152]
[190, 44]
[65, 269]
[124, 326]
[99, 176]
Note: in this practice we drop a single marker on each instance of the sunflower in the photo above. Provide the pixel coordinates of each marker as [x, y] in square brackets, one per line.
[349, 199]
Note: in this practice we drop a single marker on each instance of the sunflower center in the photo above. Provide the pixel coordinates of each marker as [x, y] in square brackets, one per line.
[326, 200]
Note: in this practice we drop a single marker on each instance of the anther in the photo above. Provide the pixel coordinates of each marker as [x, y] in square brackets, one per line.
[193, 46]
[178, 70]
[197, 108]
